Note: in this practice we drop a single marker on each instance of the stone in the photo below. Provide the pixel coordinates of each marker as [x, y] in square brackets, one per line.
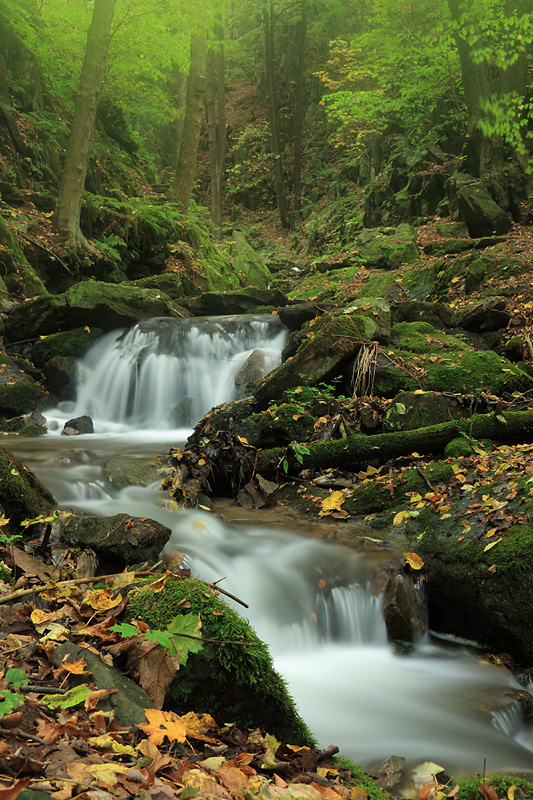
[124, 471]
[77, 426]
[20, 393]
[61, 376]
[404, 610]
[296, 315]
[486, 315]
[22, 495]
[243, 301]
[68, 344]
[250, 374]
[381, 249]
[128, 702]
[478, 210]
[118, 541]
[436, 314]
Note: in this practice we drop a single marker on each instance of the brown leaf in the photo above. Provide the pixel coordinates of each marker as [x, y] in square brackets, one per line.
[156, 669]
[232, 779]
[487, 792]
[93, 699]
[205, 784]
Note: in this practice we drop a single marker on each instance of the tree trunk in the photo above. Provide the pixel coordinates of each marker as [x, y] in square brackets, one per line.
[220, 70]
[211, 117]
[298, 117]
[182, 186]
[484, 82]
[355, 452]
[181, 100]
[67, 212]
[281, 194]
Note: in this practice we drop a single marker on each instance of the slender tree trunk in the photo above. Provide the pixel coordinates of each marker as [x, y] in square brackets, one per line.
[211, 117]
[298, 118]
[182, 186]
[181, 101]
[68, 207]
[281, 194]
[220, 70]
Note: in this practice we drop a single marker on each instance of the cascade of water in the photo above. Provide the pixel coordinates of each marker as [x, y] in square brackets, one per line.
[167, 373]
[328, 639]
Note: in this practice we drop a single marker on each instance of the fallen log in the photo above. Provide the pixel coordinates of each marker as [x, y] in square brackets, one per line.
[357, 451]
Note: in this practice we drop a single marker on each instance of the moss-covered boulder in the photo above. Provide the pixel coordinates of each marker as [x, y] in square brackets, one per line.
[126, 471]
[328, 343]
[242, 301]
[20, 393]
[387, 248]
[410, 410]
[420, 357]
[90, 303]
[249, 266]
[232, 678]
[68, 344]
[22, 495]
[481, 214]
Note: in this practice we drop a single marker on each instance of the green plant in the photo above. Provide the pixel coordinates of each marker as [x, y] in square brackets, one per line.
[360, 778]
[11, 700]
[181, 637]
[299, 450]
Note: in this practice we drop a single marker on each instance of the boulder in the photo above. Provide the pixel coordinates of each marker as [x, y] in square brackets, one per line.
[22, 495]
[327, 345]
[68, 344]
[247, 263]
[483, 217]
[61, 376]
[404, 610]
[294, 316]
[387, 248]
[118, 541]
[241, 302]
[486, 315]
[127, 699]
[436, 314]
[90, 303]
[20, 393]
[411, 410]
[250, 374]
[126, 471]
[77, 426]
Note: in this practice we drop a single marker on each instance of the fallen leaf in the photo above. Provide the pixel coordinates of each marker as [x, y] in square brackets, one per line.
[13, 791]
[414, 560]
[161, 724]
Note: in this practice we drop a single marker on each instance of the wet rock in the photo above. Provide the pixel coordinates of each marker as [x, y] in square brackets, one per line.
[61, 376]
[22, 494]
[77, 426]
[128, 701]
[436, 314]
[68, 344]
[126, 471]
[404, 610]
[389, 772]
[294, 316]
[118, 541]
[486, 315]
[20, 393]
[250, 374]
[241, 302]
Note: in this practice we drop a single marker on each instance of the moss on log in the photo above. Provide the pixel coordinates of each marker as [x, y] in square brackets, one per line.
[357, 451]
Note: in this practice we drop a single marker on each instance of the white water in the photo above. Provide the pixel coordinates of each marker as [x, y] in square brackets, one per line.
[349, 686]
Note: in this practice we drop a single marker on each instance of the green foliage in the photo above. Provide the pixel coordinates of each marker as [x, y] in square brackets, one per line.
[360, 778]
[181, 637]
[469, 788]
[9, 701]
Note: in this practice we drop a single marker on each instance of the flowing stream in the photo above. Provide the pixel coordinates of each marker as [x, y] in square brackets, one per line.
[145, 388]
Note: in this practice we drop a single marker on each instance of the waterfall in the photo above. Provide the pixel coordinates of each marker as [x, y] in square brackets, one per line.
[165, 373]
[309, 600]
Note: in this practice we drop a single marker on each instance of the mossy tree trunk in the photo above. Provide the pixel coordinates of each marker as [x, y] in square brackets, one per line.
[299, 108]
[68, 207]
[357, 451]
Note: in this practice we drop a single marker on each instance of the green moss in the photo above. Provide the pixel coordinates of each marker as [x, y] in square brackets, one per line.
[469, 787]
[458, 447]
[21, 494]
[379, 284]
[68, 343]
[232, 682]
[361, 779]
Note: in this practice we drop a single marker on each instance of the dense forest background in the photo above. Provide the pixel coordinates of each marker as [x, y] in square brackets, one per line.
[326, 117]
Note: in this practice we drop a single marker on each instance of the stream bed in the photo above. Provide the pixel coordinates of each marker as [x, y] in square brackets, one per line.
[437, 703]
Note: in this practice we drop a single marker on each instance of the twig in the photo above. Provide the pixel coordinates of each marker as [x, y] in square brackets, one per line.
[529, 346]
[425, 478]
[223, 591]
[21, 735]
[38, 688]
[46, 250]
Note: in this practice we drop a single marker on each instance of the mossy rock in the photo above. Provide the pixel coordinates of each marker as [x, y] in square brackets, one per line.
[452, 230]
[250, 268]
[233, 682]
[125, 471]
[74, 343]
[316, 286]
[22, 495]
[380, 284]
[20, 393]
[243, 301]
[410, 410]
[383, 249]
[329, 342]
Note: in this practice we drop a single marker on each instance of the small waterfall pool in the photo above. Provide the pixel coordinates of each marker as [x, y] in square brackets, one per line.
[145, 388]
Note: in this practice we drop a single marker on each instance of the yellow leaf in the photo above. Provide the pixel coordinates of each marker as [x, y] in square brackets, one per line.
[333, 502]
[76, 667]
[400, 517]
[419, 391]
[492, 569]
[491, 544]
[490, 533]
[415, 498]
[102, 600]
[456, 279]
[201, 462]
[41, 617]
[414, 560]
[416, 455]
[242, 439]
[161, 724]
[107, 773]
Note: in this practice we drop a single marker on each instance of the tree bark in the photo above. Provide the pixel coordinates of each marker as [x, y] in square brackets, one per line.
[298, 117]
[68, 207]
[220, 71]
[182, 185]
[279, 182]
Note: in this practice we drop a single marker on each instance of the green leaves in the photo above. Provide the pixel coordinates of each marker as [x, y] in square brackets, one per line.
[182, 636]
